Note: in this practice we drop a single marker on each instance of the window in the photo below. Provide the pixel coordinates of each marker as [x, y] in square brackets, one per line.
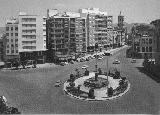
[7, 40]
[7, 34]
[16, 40]
[16, 34]
[7, 46]
[16, 45]
[28, 19]
[11, 40]
[7, 28]
[150, 49]
[16, 28]
[16, 51]
[143, 49]
[7, 51]
[143, 41]
[150, 41]
[12, 51]
[11, 34]
[28, 25]
[11, 28]
[29, 47]
[138, 49]
[146, 49]
[29, 42]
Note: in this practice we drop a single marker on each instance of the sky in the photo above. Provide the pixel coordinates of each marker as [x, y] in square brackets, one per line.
[134, 11]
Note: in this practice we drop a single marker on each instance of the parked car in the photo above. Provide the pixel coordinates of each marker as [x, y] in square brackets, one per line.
[92, 57]
[87, 59]
[85, 66]
[133, 61]
[63, 63]
[116, 62]
[82, 60]
[100, 58]
[58, 83]
[72, 62]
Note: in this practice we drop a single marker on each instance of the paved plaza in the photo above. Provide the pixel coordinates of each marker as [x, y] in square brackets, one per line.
[33, 91]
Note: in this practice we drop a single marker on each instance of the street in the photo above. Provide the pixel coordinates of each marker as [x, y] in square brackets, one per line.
[33, 91]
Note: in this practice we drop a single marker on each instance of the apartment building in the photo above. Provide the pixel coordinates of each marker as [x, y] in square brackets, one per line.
[156, 24]
[31, 29]
[11, 45]
[2, 47]
[26, 38]
[144, 42]
[146, 46]
[66, 36]
[44, 32]
[99, 27]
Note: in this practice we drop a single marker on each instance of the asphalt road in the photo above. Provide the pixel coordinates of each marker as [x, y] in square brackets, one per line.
[33, 91]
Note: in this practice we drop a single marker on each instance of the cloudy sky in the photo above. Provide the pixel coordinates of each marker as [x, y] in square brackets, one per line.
[133, 10]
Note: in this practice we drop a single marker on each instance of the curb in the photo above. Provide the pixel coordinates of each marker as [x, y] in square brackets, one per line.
[100, 99]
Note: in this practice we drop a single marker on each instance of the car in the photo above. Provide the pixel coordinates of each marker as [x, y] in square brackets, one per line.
[72, 62]
[87, 59]
[103, 54]
[85, 66]
[63, 63]
[58, 83]
[100, 58]
[82, 60]
[133, 61]
[92, 57]
[116, 62]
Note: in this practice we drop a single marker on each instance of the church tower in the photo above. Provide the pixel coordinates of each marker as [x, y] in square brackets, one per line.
[120, 21]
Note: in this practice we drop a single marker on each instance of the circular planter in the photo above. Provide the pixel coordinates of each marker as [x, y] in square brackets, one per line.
[86, 88]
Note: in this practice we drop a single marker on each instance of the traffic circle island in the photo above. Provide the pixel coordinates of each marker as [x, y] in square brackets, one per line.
[96, 87]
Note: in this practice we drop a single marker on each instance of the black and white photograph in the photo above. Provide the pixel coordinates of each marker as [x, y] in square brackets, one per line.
[80, 57]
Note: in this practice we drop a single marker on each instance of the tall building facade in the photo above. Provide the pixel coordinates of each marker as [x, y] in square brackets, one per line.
[11, 45]
[26, 38]
[66, 36]
[2, 46]
[156, 24]
[99, 27]
[144, 41]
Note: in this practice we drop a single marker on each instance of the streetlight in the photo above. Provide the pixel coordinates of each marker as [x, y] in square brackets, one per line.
[96, 49]
[107, 54]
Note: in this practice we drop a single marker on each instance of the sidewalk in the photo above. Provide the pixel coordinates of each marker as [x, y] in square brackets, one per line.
[112, 51]
[46, 65]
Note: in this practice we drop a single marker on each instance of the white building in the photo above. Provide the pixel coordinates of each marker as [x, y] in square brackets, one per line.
[26, 37]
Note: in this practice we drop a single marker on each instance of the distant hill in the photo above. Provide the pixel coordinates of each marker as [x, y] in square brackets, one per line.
[129, 26]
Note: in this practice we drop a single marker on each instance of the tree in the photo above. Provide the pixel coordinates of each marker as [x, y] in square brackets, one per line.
[99, 71]
[91, 93]
[110, 92]
[146, 63]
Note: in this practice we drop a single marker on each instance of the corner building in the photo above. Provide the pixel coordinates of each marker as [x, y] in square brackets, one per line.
[66, 37]
[26, 38]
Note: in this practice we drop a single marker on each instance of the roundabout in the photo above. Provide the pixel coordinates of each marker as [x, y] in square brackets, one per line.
[96, 87]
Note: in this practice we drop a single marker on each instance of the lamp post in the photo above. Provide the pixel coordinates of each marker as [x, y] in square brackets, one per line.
[96, 66]
[96, 48]
[107, 54]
